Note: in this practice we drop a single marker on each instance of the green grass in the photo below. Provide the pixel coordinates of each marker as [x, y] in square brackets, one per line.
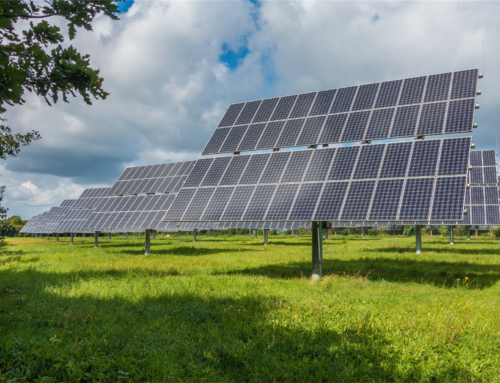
[230, 309]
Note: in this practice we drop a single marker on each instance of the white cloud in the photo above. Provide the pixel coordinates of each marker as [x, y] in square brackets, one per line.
[169, 89]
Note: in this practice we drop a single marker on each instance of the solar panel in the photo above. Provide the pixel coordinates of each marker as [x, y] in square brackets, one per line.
[426, 105]
[346, 184]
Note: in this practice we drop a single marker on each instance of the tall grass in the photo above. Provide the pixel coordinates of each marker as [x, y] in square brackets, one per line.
[231, 309]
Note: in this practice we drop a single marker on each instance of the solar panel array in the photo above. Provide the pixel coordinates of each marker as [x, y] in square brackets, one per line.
[484, 169]
[161, 178]
[419, 180]
[427, 105]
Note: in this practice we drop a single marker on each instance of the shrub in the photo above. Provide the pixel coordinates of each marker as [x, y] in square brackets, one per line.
[345, 232]
[373, 232]
[408, 231]
[497, 233]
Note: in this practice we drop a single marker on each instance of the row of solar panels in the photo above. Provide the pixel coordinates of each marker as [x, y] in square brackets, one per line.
[424, 105]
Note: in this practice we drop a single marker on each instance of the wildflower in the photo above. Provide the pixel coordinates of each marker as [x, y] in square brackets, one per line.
[466, 278]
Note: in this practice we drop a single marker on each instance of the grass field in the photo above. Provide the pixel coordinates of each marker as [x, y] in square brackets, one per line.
[230, 309]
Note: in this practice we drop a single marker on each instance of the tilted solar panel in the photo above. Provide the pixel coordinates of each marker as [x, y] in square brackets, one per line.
[427, 105]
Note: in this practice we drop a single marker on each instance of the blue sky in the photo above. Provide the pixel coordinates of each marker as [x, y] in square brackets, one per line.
[172, 68]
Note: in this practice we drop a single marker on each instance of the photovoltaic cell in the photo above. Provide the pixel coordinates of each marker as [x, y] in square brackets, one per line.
[413, 90]
[252, 136]
[258, 204]
[265, 110]
[476, 176]
[331, 201]
[310, 132]
[490, 195]
[489, 158]
[283, 108]
[274, 168]
[235, 170]
[270, 135]
[438, 87]
[333, 128]
[303, 104]
[464, 84]
[490, 174]
[396, 160]
[290, 133]
[424, 158]
[388, 94]
[319, 164]
[306, 201]
[296, 166]
[380, 124]
[216, 171]
[460, 115]
[358, 200]
[217, 204]
[198, 204]
[238, 202]
[248, 112]
[322, 103]
[476, 195]
[369, 162]
[254, 169]
[343, 100]
[177, 209]
[282, 202]
[198, 172]
[356, 126]
[216, 141]
[365, 97]
[476, 158]
[478, 215]
[344, 163]
[448, 198]
[454, 155]
[432, 118]
[231, 115]
[386, 200]
[233, 139]
[492, 215]
[405, 121]
[417, 199]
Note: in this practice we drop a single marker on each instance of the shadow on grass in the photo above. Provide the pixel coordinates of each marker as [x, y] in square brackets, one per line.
[194, 250]
[187, 336]
[443, 274]
[444, 248]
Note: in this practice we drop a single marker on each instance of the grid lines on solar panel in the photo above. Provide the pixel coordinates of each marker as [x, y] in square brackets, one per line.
[438, 87]
[476, 158]
[490, 174]
[333, 128]
[380, 124]
[448, 198]
[198, 172]
[275, 166]
[290, 133]
[343, 165]
[248, 112]
[319, 164]
[405, 121]
[265, 110]
[282, 202]
[296, 166]
[216, 171]
[257, 206]
[305, 201]
[396, 160]
[453, 158]
[490, 195]
[386, 200]
[310, 132]
[235, 170]
[216, 141]
[424, 158]
[477, 195]
[369, 162]
[432, 118]
[417, 199]
[252, 136]
[464, 84]
[489, 157]
[234, 138]
[198, 204]
[254, 169]
[478, 215]
[492, 215]
[413, 90]
[331, 200]
[217, 204]
[322, 103]
[181, 202]
[270, 135]
[476, 176]
[303, 104]
[358, 200]
[283, 108]
[388, 94]
[365, 97]
[343, 100]
[356, 126]
[231, 114]
[460, 116]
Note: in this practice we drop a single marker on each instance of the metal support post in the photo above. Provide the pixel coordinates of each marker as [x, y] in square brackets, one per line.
[194, 235]
[57, 237]
[72, 236]
[147, 244]
[48, 237]
[96, 239]
[154, 234]
[418, 236]
[364, 232]
[468, 233]
[210, 233]
[297, 233]
[317, 250]
[137, 235]
[255, 233]
[109, 236]
[83, 235]
[126, 236]
[266, 231]
[178, 234]
[452, 236]
[326, 234]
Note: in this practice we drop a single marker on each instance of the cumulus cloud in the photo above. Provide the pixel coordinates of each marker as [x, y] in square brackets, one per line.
[163, 65]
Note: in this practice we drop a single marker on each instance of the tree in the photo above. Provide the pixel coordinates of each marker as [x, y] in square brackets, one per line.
[33, 59]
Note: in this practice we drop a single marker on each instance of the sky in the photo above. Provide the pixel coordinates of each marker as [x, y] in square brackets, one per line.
[172, 69]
